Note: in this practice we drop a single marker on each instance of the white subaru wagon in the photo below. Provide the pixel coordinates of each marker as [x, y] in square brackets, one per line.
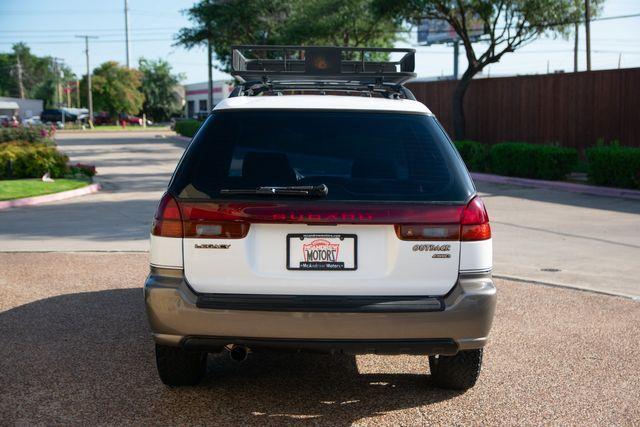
[302, 217]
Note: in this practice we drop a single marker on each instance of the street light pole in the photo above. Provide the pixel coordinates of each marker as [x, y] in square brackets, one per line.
[89, 95]
[126, 30]
[456, 54]
[587, 28]
[210, 68]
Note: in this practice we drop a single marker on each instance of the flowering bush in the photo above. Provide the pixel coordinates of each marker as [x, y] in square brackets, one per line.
[82, 170]
[21, 159]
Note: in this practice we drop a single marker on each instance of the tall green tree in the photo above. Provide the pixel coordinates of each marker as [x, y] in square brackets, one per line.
[39, 75]
[269, 22]
[159, 89]
[116, 89]
[508, 25]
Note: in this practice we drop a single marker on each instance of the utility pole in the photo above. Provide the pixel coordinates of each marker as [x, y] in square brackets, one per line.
[587, 27]
[56, 71]
[575, 48]
[78, 93]
[20, 82]
[210, 66]
[59, 95]
[456, 52]
[126, 30]
[89, 96]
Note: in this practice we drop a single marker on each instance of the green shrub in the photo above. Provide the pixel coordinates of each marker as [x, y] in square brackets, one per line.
[80, 170]
[31, 160]
[474, 154]
[532, 160]
[187, 127]
[28, 134]
[614, 165]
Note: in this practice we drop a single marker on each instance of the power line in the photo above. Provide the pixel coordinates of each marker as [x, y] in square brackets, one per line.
[93, 30]
[99, 41]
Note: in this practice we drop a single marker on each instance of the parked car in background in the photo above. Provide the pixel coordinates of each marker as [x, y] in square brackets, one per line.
[104, 118]
[55, 116]
[8, 121]
[32, 121]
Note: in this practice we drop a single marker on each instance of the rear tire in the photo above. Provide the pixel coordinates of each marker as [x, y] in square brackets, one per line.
[178, 367]
[459, 372]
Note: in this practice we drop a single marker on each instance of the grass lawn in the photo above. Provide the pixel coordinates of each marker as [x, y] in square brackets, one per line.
[111, 128]
[19, 188]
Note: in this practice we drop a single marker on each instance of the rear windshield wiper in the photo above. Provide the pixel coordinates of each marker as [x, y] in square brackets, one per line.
[320, 190]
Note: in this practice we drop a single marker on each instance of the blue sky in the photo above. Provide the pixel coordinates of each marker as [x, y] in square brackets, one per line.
[49, 28]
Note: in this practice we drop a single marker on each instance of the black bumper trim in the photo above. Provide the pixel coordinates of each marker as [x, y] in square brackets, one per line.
[321, 303]
[403, 346]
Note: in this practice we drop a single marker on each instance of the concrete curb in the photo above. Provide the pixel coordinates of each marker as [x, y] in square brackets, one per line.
[558, 185]
[37, 200]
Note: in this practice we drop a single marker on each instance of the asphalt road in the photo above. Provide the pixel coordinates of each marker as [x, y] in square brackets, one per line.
[549, 236]
[75, 349]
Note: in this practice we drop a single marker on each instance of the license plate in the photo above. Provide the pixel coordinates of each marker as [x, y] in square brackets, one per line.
[322, 252]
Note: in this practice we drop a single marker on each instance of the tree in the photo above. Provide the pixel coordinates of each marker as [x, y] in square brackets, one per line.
[508, 25]
[116, 89]
[270, 22]
[39, 75]
[158, 88]
[340, 23]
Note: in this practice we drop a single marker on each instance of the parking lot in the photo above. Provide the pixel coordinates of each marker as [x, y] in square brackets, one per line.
[76, 350]
[75, 347]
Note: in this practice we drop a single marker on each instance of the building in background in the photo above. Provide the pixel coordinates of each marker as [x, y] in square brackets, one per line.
[196, 95]
[21, 108]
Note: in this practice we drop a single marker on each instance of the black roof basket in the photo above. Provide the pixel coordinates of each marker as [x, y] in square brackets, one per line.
[314, 66]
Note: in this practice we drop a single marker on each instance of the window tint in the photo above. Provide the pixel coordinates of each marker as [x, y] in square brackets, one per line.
[358, 155]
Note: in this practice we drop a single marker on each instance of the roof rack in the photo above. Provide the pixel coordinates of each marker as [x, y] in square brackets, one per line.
[312, 68]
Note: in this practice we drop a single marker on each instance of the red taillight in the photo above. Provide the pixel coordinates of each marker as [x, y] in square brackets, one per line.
[215, 230]
[428, 232]
[470, 223]
[167, 221]
[195, 220]
[475, 222]
[231, 220]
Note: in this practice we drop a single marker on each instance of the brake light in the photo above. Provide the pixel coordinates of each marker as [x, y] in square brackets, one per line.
[167, 221]
[173, 219]
[232, 220]
[475, 222]
[428, 232]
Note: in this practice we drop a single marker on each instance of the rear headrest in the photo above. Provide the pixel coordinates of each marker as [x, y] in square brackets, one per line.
[264, 168]
[374, 169]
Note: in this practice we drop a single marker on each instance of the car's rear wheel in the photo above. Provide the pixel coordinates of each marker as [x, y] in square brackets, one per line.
[459, 372]
[178, 367]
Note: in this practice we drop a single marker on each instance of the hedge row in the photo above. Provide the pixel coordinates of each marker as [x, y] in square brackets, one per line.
[475, 154]
[614, 166]
[31, 160]
[519, 159]
[187, 127]
[28, 134]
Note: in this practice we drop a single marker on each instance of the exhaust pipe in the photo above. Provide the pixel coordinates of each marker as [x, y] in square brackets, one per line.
[238, 354]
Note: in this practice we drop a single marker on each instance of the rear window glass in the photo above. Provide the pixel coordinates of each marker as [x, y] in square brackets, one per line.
[359, 156]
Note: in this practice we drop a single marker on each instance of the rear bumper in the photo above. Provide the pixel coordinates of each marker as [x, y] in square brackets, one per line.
[461, 320]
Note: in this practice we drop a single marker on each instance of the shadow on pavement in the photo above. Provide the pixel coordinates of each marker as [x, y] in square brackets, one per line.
[91, 219]
[88, 357]
[559, 197]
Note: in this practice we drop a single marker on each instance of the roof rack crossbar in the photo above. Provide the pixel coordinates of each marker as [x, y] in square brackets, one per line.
[273, 63]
